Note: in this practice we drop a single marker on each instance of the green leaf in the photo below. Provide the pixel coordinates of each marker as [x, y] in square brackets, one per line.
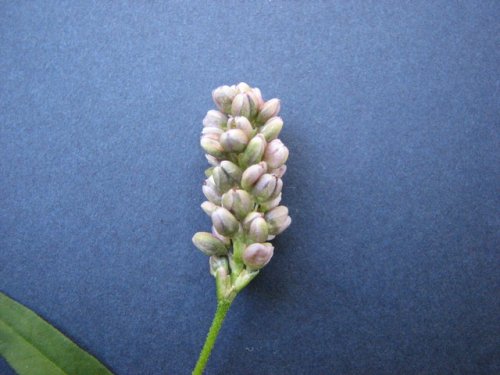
[32, 346]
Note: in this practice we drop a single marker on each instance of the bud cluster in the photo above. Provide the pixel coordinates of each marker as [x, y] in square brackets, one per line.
[244, 183]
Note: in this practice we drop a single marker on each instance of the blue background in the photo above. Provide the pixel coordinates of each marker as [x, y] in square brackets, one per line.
[391, 115]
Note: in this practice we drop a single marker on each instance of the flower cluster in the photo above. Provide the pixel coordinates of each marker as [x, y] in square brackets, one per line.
[243, 186]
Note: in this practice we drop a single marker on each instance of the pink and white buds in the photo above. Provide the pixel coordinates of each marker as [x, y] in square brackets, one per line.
[243, 186]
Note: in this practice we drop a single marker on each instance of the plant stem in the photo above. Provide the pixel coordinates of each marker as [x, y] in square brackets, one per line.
[222, 309]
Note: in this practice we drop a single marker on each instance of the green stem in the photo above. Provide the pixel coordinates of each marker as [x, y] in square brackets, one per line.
[222, 309]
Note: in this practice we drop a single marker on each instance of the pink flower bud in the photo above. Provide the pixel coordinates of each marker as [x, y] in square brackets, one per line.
[276, 154]
[268, 110]
[214, 119]
[257, 255]
[258, 230]
[252, 174]
[224, 222]
[234, 140]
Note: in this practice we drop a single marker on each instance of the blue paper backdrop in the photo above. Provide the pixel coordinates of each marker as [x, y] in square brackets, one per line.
[391, 115]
